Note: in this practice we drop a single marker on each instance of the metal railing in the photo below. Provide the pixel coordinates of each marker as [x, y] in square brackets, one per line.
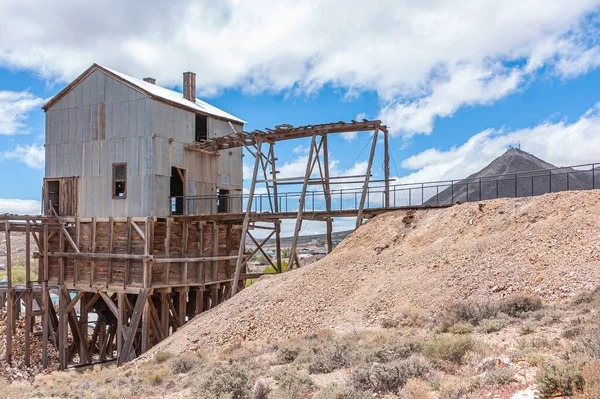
[445, 192]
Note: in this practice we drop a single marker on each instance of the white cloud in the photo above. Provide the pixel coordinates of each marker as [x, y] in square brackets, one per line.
[425, 60]
[20, 206]
[14, 109]
[559, 143]
[31, 155]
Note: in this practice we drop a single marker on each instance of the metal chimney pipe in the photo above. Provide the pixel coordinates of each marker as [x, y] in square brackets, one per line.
[189, 86]
[150, 80]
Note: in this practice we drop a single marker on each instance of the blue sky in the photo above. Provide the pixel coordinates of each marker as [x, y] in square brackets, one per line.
[456, 83]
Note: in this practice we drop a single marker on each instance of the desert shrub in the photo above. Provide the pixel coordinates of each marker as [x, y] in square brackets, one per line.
[292, 385]
[161, 357]
[383, 378]
[560, 379]
[461, 328]
[387, 352]
[447, 347]
[341, 392]
[453, 388]
[591, 386]
[157, 377]
[412, 317]
[473, 311]
[287, 355]
[415, 389]
[261, 389]
[534, 359]
[225, 381]
[325, 360]
[585, 297]
[499, 376]
[181, 365]
[492, 325]
[518, 304]
[572, 332]
[390, 323]
[590, 343]
[526, 329]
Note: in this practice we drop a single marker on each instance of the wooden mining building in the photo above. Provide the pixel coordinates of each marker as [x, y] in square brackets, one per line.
[143, 214]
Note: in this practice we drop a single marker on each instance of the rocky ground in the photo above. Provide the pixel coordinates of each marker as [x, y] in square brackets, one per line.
[547, 245]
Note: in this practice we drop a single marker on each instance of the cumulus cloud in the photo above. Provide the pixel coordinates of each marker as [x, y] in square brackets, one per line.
[560, 143]
[14, 110]
[31, 155]
[425, 60]
[20, 206]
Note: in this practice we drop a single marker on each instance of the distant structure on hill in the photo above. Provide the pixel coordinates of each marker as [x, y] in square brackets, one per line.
[515, 173]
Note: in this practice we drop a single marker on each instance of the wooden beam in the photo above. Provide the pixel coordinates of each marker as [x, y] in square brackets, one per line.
[138, 230]
[127, 351]
[309, 168]
[326, 188]
[363, 197]
[111, 228]
[386, 168]
[242, 247]
[111, 305]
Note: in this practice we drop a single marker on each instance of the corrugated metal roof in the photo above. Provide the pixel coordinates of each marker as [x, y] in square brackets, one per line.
[154, 91]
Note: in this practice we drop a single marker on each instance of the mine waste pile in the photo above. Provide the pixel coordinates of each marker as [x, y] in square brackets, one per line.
[548, 246]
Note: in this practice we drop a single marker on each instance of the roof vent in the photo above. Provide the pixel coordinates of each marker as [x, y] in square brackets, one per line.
[150, 80]
[189, 86]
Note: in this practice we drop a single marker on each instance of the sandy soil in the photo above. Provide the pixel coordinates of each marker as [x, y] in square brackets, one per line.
[548, 245]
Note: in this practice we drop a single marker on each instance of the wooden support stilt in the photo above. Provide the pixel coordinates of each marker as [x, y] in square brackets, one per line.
[164, 313]
[363, 197]
[309, 168]
[386, 168]
[242, 248]
[45, 301]
[62, 329]
[215, 264]
[146, 320]
[327, 190]
[28, 296]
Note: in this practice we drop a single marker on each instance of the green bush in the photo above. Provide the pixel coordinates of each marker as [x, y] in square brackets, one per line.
[560, 379]
[388, 378]
[448, 347]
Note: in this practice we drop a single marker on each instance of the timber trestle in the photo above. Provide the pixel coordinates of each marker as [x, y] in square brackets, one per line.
[109, 289]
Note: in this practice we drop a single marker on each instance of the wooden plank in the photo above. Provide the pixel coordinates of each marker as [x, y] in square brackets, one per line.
[62, 330]
[386, 168]
[138, 230]
[74, 301]
[93, 250]
[111, 229]
[127, 352]
[128, 262]
[327, 190]
[111, 305]
[77, 243]
[45, 302]
[120, 320]
[8, 255]
[184, 252]
[146, 321]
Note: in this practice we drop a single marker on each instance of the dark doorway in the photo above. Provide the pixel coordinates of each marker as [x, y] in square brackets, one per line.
[177, 190]
[222, 201]
[201, 127]
[53, 187]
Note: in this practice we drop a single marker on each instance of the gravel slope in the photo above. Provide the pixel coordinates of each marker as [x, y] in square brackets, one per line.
[548, 245]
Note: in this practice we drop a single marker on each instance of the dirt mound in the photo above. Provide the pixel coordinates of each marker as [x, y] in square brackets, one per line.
[547, 245]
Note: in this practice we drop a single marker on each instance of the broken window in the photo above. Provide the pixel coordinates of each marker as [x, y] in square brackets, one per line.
[201, 127]
[119, 180]
[222, 201]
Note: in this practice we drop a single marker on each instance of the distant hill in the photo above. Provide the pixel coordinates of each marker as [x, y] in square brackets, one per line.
[515, 173]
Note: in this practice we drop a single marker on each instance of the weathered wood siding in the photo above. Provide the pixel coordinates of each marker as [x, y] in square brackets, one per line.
[102, 121]
[98, 123]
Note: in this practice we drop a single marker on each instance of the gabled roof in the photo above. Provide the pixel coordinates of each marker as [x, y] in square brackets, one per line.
[153, 91]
